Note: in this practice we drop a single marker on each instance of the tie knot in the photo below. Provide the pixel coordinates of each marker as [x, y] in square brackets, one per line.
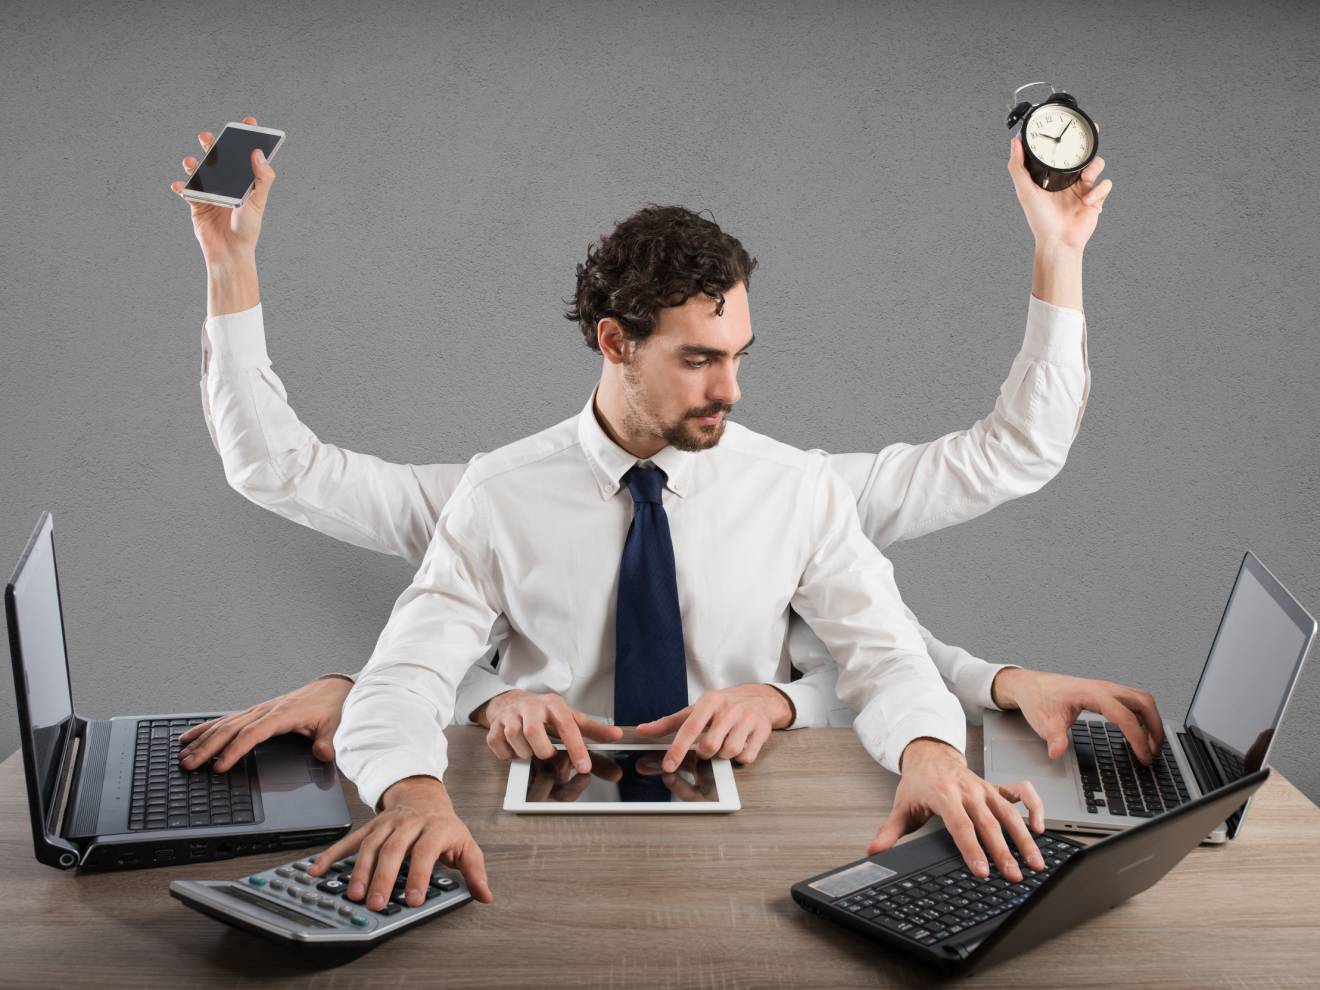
[645, 483]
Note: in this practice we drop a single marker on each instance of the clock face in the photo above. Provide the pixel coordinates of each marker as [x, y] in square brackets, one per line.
[1059, 136]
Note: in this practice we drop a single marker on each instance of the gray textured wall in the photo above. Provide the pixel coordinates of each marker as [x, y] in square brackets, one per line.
[446, 167]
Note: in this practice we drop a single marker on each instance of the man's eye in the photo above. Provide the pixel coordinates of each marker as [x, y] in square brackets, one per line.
[697, 364]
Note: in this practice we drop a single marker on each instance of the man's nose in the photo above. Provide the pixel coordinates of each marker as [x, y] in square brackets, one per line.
[725, 387]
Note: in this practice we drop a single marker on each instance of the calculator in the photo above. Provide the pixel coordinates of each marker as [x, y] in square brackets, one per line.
[288, 904]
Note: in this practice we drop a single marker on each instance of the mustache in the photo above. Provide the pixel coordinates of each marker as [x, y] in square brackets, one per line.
[712, 410]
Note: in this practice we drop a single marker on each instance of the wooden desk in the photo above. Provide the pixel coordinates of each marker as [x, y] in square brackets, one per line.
[673, 901]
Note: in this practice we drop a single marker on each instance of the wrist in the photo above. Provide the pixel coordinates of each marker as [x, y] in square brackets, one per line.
[401, 790]
[232, 284]
[781, 710]
[925, 750]
[1003, 689]
[487, 710]
[1046, 248]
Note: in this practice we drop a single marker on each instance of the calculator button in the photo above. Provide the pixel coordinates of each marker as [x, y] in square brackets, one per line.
[332, 886]
[388, 909]
[285, 871]
[346, 910]
[442, 882]
[304, 878]
[359, 919]
[257, 881]
[310, 897]
[327, 902]
[302, 864]
[277, 884]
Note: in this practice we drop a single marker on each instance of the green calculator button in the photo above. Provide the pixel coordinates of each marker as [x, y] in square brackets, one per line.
[257, 881]
[360, 920]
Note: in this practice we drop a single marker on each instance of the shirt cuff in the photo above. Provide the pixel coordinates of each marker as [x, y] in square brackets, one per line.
[238, 340]
[1054, 334]
[810, 706]
[385, 773]
[479, 685]
[886, 745]
[348, 677]
[986, 680]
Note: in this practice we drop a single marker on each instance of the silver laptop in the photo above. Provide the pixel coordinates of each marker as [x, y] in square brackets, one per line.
[106, 794]
[1098, 785]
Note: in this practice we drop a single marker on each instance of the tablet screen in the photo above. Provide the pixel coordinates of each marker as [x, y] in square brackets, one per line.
[621, 776]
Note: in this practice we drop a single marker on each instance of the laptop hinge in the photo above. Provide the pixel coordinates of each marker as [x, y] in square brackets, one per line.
[1202, 767]
[61, 811]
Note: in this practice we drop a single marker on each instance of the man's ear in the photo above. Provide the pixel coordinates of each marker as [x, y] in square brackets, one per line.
[613, 342]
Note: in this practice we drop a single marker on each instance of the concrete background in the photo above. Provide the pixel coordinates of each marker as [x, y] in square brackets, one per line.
[447, 165]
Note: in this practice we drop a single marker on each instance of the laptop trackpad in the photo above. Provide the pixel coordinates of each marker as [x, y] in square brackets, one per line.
[1026, 758]
[286, 763]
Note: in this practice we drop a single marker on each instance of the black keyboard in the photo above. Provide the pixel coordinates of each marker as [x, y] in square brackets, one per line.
[1231, 763]
[1115, 782]
[939, 903]
[167, 796]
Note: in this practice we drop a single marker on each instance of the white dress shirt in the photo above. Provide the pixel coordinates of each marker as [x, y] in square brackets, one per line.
[905, 490]
[526, 555]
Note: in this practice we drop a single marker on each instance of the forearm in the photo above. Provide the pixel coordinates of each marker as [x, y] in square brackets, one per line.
[232, 285]
[1056, 275]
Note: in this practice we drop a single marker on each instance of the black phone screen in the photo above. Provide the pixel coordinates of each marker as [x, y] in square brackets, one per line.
[227, 168]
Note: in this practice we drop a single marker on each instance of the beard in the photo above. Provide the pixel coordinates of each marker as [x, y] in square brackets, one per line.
[692, 436]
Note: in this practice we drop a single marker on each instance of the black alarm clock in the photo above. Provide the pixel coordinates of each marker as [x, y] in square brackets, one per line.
[1058, 138]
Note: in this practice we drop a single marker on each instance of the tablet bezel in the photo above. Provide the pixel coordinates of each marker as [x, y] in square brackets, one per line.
[726, 790]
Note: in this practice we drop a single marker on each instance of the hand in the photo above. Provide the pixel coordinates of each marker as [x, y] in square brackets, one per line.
[225, 234]
[1065, 219]
[418, 821]
[1051, 703]
[559, 782]
[313, 711]
[736, 723]
[936, 781]
[517, 721]
[695, 789]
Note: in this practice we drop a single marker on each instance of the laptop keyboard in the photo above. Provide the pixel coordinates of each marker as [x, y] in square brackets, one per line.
[167, 796]
[1115, 782]
[1234, 768]
[939, 903]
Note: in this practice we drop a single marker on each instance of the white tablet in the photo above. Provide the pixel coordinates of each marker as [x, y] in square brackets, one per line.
[625, 779]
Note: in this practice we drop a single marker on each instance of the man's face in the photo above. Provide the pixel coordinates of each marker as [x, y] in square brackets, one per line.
[681, 382]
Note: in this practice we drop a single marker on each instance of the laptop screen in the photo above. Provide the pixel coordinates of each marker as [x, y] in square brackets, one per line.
[37, 620]
[1253, 663]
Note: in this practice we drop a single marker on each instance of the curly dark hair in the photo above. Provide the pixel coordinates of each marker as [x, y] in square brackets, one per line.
[660, 256]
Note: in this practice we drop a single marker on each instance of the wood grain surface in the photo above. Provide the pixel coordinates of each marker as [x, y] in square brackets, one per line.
[673, 900]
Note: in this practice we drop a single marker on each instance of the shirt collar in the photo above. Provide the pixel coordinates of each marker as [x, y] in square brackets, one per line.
[609, 462]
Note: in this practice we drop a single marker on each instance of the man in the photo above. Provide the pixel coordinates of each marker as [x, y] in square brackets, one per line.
[685, 724]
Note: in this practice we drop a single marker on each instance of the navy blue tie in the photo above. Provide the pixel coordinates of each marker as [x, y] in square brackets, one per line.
[650, 665]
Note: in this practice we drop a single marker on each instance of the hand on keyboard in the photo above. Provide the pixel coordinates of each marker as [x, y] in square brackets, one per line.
[936, 781]
[419, 823]
[1051, 703]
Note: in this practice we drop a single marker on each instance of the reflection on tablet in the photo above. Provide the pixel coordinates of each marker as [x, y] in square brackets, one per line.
[621, 776]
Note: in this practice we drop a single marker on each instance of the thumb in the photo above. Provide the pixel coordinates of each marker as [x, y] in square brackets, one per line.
[1057, 744]
[598, 731]
[265, 178]
[1017, 168]
[323, 748]
[894, 828]
[666, 725]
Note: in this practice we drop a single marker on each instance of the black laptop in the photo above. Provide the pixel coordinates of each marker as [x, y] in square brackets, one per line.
[920, 899]
[110, 794]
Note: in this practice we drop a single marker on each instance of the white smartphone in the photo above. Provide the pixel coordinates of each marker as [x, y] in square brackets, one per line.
[224, 177]
[625, 778]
